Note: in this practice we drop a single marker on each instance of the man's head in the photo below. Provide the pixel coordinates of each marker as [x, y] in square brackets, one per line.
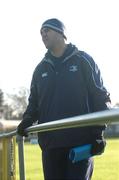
[55, 25]
[52, 31]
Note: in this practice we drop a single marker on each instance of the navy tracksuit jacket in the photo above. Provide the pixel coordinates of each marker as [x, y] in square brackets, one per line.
[64, 87]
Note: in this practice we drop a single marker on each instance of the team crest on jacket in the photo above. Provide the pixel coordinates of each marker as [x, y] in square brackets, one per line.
[73, 68]
[45, 74]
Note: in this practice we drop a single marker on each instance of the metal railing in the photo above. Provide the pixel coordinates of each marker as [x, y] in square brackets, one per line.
[97, 118]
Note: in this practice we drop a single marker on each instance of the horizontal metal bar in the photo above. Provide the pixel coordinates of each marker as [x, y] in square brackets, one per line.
[9, 134]
[97, 118]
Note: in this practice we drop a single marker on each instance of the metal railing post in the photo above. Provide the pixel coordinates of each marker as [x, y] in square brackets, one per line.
[20, 141]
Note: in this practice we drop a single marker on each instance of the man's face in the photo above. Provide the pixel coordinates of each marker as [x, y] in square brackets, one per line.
[49, 37]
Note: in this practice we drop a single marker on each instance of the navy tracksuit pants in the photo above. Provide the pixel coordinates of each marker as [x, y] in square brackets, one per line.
[56, 165]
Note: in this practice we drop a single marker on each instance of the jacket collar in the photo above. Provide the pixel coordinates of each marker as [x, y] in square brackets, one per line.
[70, 51]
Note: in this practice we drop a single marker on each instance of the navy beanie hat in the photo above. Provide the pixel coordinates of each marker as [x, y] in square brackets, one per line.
[55, 25]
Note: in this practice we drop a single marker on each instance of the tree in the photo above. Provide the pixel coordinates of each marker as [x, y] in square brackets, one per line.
[1, 98]
[1, 104]
[16, 104]
[116, 105]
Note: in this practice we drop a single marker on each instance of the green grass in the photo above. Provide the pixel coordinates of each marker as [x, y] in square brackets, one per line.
[106, 165]
[33, 165]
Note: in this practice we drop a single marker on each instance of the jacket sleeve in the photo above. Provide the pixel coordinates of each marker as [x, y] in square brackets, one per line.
[98, 96]
[98, 100]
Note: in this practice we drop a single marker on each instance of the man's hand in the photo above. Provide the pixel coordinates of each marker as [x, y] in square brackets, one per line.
[98, 146]
[25, 123]
[21, 130]
[98, 141]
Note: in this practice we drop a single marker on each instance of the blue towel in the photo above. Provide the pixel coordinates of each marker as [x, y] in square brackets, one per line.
[79, 153]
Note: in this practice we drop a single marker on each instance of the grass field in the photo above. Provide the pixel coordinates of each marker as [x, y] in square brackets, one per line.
[106, 165]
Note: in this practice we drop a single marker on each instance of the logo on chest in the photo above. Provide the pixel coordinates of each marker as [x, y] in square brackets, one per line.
[73, 68]
[45, 74]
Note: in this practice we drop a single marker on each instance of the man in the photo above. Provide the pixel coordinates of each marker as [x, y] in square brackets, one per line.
[66, 83]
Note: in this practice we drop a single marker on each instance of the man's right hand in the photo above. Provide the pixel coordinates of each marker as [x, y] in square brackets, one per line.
[21, 129]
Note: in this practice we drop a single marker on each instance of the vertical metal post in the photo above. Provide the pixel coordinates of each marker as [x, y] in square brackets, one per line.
[20, 141]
